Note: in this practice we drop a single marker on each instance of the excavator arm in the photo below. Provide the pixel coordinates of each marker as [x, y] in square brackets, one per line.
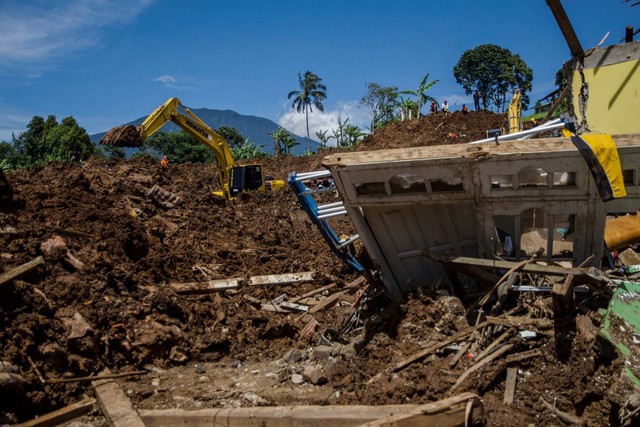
[234, 178]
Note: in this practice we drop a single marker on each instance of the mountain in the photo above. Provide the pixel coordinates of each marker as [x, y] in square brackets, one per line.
[256, 129]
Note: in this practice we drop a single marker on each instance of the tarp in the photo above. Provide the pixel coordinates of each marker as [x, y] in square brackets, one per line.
[601, 154]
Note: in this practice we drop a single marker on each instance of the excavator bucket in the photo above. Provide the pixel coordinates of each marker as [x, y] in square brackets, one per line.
[123, 136]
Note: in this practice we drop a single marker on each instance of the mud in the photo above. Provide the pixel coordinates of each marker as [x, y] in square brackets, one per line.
[116, 309]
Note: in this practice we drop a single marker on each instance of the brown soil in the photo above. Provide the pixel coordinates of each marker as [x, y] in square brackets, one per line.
[118, 312]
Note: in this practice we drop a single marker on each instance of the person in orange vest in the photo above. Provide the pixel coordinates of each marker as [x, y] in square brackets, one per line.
[164, 162]
[465, 110]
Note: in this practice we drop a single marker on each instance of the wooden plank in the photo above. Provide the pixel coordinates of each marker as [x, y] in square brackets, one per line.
[314, 292]
[286, 416]
[493, 345]
[423, 353]
[116, 407]
[18, 272]
[510, 386]
[293, 306]
[62, 415]
[329, 301]
[208, 287]
[479, 365]
[448, 412]
[566, 28]
[460, 353]
[281, 279]
[562, 296]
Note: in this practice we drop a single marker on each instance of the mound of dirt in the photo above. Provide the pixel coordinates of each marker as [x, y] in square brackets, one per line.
[123, 136]
[116, 309]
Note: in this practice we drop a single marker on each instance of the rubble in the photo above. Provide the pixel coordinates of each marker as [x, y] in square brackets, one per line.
[150, 297]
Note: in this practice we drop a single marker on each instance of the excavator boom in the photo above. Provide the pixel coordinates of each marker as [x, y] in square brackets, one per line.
[234, 178]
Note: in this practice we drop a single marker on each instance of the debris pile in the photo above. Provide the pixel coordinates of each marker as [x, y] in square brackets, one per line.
[126, 270]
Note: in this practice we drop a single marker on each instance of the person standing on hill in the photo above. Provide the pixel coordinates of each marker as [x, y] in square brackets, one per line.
[476, 100]
[434, 107]
[464, 110]
[445, 106]
[164, 162]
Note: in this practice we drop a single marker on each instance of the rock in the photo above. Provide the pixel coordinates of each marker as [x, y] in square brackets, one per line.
[177, 356]
[199, 369]
[11, 383]
[297, 379]
[348, 350]
[292, 356]
[8, 367]
[314, 375]
[254, 399]
[322, 352]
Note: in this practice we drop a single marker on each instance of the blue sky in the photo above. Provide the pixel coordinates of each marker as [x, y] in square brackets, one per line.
[107, 62]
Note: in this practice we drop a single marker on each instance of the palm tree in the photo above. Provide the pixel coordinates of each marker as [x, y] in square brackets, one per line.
[421, 94]
[312, 92]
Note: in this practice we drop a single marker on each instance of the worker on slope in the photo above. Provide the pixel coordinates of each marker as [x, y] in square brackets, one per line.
[445, 106]
[464, 109]
[476, 100]
[434, 107]
[164, 162]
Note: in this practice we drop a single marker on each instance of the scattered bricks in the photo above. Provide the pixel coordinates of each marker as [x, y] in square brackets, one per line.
[314, 375]
[292, 356]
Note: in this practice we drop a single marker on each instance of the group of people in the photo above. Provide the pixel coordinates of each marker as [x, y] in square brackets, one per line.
[445, 106]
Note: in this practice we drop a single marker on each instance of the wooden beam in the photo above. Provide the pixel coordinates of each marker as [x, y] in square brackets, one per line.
[448, 412]
[424, 353]
[116, 407]
[479, 365]
[329, 301]
[562, 296]
[16, 273]
[306, 415]
[314, 292]
[62, 415]
[566, 28]
[201, 288]
[510, 386]
[281, 279]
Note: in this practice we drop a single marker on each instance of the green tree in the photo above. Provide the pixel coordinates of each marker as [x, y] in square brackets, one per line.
[248, 150]
[421, 93]
[347, 134]
[47, 140]
[283, 141]
[231, 134]
[382, 103]
[493, 71]
[323, 138]
[312, 92]
[180, 147]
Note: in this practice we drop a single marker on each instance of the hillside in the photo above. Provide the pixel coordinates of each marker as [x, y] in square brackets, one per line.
[118, 310]
[255, 128]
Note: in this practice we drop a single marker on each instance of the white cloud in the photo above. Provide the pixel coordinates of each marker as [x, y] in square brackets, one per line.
[184, 82]
[12, 121]
[168, 81]
[38, 31]
[328, 120]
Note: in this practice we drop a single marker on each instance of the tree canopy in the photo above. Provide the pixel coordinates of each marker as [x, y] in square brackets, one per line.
[381, 102]
[494, 72]
[231, 134]
[180, 147]
[47, 140]
[311, 94]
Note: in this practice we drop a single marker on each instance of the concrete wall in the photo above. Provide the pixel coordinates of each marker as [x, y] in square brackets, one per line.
[610, 100]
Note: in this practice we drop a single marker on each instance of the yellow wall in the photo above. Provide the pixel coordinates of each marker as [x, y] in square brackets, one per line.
[614, 97]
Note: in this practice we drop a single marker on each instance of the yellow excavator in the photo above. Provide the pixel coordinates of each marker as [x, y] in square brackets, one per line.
[234, 178]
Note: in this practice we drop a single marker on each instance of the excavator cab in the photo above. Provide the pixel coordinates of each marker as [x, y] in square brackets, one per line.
[245, 178]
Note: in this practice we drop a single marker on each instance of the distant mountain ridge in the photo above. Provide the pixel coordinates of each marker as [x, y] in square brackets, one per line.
[256, 129]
